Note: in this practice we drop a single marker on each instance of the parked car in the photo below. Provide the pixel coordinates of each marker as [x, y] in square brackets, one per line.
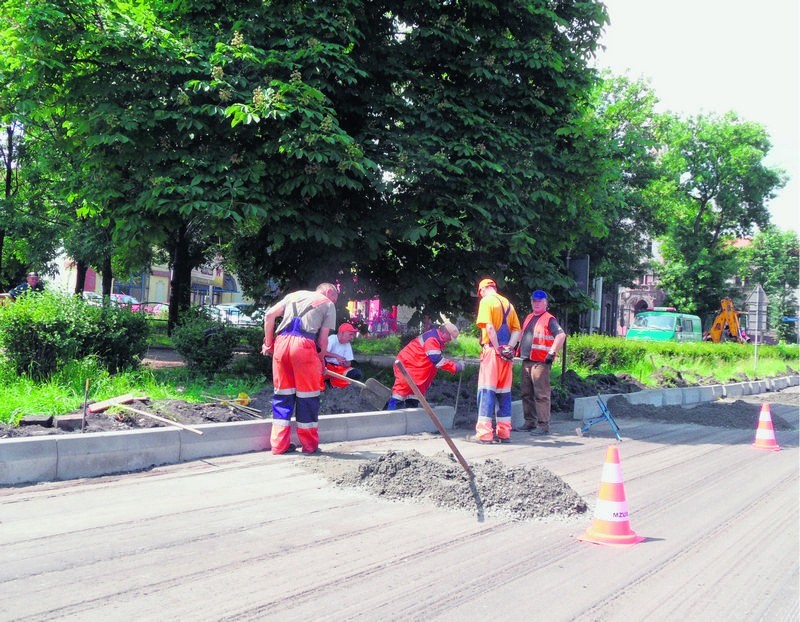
[235, 313]
[123, 300]
[93, 298]
[665, 324]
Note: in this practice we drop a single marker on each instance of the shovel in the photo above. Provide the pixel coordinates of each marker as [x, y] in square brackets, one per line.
[372, 392]
[399, 365]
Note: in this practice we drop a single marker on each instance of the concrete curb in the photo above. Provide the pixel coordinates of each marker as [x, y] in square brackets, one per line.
[587, 407]
[61, 457]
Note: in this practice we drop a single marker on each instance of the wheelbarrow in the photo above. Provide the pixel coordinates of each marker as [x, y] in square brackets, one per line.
[372, 392]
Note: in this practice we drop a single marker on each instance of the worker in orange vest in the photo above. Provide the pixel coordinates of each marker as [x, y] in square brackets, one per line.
[422, 357]
[542, 339]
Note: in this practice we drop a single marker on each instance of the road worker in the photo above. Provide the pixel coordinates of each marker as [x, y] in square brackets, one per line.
[542, 339]
[500, 331]
[298, 348]
[422, 357]
[340, 356]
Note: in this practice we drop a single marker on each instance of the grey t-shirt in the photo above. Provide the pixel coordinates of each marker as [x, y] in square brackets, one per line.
[315, 311]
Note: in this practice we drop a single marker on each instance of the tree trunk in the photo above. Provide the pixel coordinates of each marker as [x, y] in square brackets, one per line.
[181, 283]
[9, 177]
[2, 242]
[81, 268]
[108, 276]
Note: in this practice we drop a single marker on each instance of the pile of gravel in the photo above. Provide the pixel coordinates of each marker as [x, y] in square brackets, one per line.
[518, 493]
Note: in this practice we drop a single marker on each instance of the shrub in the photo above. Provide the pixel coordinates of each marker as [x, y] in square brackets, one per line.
[599, 351]
[256, 362]
[116, 335]
[207, 345]
[41, 333]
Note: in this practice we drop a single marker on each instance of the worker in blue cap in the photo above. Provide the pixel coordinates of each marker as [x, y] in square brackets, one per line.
[542, 339]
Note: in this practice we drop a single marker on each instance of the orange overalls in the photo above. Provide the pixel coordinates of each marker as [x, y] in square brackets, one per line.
[494, 383]
[422, 358]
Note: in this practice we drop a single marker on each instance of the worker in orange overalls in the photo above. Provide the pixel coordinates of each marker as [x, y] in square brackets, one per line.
[422, 357]
[500, 331]
[298, 348]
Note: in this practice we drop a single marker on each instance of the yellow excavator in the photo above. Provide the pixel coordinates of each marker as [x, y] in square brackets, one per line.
[727, 325]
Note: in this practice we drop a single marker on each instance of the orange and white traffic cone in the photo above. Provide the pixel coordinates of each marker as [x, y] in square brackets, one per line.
[610, 525]
[765, 434]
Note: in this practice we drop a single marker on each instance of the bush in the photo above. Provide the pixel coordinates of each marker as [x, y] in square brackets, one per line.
[256, 362]
[41, 333]
[116, 335]
[207, 345]
[599, 351]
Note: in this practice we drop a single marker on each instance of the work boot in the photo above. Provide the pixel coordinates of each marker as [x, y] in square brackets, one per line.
[540, 431]
[528, 426]
[477, 439]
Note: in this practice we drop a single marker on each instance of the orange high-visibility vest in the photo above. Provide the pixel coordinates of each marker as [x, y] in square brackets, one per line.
[542, 337]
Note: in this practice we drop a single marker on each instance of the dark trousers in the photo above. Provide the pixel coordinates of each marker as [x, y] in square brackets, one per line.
[535, 388]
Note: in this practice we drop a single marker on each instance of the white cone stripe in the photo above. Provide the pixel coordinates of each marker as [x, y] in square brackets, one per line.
[765, 434]
[612, 473]
[611, 511]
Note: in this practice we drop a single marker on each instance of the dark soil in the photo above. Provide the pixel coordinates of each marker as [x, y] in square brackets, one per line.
[737, 414]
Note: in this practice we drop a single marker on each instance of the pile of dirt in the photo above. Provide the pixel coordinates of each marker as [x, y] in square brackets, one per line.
[720, 414]
[517, 493]
[462, 396]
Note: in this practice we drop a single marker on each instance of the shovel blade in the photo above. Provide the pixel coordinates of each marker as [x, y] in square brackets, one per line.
[376, 394]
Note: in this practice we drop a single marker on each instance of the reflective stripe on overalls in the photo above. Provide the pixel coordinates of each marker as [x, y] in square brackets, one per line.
[295, 375]
[494, 387]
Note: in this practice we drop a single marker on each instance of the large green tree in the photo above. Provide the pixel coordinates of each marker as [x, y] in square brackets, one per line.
[459, 143]
[414, 145]
[773, 261]
[715, 187]
[620, 121]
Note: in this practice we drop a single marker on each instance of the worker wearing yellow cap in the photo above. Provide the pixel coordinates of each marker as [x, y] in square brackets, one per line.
[500, 331]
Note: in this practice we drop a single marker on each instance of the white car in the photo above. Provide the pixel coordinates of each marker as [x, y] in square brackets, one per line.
[234, 313]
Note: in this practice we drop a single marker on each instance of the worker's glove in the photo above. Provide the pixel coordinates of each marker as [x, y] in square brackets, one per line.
[506, 353]
[549, 358]
[459, 367]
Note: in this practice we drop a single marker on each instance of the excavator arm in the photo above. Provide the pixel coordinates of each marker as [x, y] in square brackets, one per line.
[726, 325]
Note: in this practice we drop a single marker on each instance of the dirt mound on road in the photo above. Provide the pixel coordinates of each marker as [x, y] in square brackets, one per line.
[722, 414]
[518, 493]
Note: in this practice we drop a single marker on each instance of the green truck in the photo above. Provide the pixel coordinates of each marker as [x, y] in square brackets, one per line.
[665, 324]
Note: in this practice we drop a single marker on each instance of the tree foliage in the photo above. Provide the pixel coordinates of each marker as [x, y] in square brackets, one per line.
[773, 261]
[406, 148]
[714, 187]
[620, 121]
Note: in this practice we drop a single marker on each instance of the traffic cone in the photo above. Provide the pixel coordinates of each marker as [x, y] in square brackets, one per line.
[610, 525]
[765, 434]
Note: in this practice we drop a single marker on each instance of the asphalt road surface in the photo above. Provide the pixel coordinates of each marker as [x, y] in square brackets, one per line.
[261, 537]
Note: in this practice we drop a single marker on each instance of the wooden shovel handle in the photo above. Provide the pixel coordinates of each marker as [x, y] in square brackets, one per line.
[157, 418]
[345, 378]
[434, 418]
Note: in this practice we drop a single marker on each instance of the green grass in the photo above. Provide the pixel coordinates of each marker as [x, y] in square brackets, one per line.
[64, 392]
[697, 363]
